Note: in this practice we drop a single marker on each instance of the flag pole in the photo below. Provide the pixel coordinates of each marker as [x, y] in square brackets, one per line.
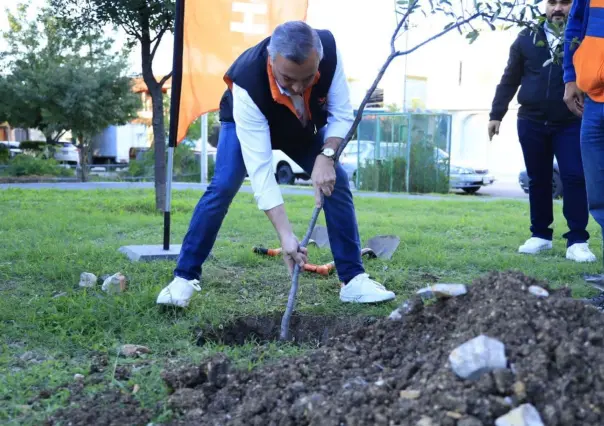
[174, 112]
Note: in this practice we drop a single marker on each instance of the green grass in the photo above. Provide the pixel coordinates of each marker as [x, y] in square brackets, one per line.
[47, 238]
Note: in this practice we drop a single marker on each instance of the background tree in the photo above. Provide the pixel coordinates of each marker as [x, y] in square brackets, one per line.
[57, 80]
[145, 22]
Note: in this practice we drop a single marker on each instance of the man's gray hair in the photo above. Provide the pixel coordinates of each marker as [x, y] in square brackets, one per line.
[295, 41]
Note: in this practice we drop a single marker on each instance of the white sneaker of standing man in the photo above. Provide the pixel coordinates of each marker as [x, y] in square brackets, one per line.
[580, 252]
[535, 245]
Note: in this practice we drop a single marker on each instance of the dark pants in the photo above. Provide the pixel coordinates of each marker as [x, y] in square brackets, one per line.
[229, 174]
[540, 143]
[592, 147]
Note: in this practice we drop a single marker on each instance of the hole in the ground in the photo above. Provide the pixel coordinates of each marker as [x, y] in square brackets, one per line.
[304, 328]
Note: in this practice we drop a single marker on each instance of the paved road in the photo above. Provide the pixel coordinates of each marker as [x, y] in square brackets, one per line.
[497, 191]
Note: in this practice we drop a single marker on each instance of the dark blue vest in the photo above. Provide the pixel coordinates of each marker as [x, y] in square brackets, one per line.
[249, 72]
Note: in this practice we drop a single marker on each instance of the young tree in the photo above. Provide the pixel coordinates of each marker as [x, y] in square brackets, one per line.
[467, 17]
[145, 22]
[57, 82]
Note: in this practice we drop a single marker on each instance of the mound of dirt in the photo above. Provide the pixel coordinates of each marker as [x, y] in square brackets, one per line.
[396, 372]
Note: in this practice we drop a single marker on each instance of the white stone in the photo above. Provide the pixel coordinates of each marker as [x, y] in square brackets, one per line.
[538, 291]
[87, 279]
[442, 291]
[115, 283]
[478, 356]
[524, 415]
[395, 315]
[78, 377]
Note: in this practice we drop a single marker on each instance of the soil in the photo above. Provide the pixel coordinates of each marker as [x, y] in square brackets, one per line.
[303, 328]
[397, 372]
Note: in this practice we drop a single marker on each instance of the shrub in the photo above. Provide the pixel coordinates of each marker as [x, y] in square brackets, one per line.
[4, 154]
[425, 174]
[37, 146]
[186, 165]
[26, 165]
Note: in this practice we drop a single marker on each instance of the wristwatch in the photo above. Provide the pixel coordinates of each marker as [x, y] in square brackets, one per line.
[329, 153]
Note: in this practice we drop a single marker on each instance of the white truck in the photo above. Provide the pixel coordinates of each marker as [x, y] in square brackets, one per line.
[112, 145]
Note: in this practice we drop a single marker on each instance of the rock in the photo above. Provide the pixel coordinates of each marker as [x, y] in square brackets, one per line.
[525, 415]
[470, 421]
[478, 356]
[454, 415]
[115, 283]
[538, 291]
[78, 377]
[131, 351]
[408, 307]
[357, 381]
[410, 394]
[425, 421]
[520, 390]
[504, 380]
[442, 291]
[87, 280]
[395, 315]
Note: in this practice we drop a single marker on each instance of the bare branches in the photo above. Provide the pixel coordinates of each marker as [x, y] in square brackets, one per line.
[157, 41]
[164, 79]
[400, 24]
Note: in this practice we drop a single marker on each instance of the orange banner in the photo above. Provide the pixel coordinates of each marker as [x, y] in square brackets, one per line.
[216, 32]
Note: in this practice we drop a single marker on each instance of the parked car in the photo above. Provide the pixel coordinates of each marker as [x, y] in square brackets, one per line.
[65, 152]
[557, 191]
[13, 148]
[461, 176]
[287, 170]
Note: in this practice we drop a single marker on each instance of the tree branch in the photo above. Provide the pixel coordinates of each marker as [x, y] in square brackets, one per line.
[157, 41]
[440, 34]
[164, 79]
[400, 25]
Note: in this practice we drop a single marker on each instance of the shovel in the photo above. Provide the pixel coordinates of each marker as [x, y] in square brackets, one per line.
[319, 237]
[382, 246]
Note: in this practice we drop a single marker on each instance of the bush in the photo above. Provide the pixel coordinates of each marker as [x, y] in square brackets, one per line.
[37, 146]
[425, 174]
[4, 154]
[26, 165]
[187, 166]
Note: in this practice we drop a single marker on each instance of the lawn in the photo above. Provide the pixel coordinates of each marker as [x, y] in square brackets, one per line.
[52, 329]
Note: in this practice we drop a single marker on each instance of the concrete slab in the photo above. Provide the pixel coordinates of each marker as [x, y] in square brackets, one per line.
[150, 253]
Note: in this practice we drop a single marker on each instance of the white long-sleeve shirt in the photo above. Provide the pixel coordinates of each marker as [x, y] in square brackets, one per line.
[254, 134]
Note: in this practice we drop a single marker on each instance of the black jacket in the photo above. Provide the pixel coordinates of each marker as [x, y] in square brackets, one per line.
[541, 87]
[249, 71]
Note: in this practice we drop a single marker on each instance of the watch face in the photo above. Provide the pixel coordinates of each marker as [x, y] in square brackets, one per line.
[329, 152]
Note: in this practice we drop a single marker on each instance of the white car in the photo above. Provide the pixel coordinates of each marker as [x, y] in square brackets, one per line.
[287, 170]
[461, 176]
[65, 152]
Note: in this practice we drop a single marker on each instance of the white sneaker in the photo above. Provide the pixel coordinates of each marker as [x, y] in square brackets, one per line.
[580, 252]
[534, 245]
[362, 289]
[178, 292]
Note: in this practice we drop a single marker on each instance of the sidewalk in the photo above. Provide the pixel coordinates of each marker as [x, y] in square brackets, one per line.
[286, 190]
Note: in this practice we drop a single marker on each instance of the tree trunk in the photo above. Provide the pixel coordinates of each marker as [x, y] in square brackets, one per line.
[159, 147]
[159, 131]
[83, 159]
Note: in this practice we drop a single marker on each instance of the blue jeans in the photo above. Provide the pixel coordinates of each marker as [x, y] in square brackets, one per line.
[540, 142]
[229, 174]
[592, 147]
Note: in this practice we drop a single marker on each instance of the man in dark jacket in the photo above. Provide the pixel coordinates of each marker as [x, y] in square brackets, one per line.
[546, 127]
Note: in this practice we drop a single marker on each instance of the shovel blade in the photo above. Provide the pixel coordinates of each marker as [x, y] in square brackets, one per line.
[384, 246]
[320, 237]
